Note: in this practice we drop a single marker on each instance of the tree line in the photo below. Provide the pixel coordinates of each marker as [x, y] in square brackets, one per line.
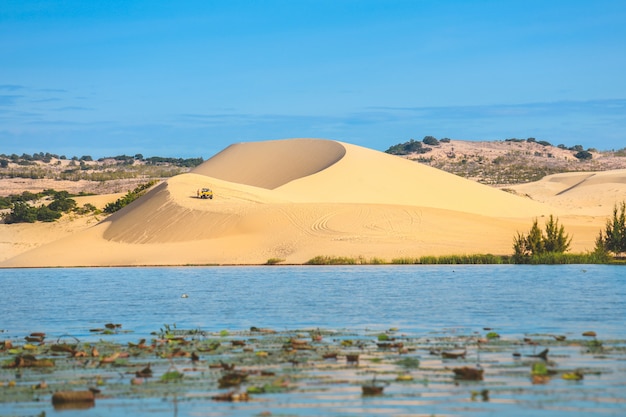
[413, 146]
[27, 159]
[538, 246]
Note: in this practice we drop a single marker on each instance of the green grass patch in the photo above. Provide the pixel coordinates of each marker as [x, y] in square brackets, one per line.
[345, 260]
[553, 258]
[274, 261]
[475, 259]
[332, 260]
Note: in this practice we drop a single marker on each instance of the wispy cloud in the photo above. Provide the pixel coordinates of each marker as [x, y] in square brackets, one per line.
[9, 99]
[53, 90]
[46, 100]
[543, 109]
[11, 87]
[73, 108]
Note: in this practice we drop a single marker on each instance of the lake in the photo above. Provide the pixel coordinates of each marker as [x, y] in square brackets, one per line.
[421, 302]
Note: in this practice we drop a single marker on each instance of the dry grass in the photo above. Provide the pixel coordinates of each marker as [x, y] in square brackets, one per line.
[500, 163]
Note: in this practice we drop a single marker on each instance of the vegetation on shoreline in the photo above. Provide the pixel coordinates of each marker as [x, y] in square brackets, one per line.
[129, 197]
[537, 244]
[535, 248]
[472, 259]
[613, 239]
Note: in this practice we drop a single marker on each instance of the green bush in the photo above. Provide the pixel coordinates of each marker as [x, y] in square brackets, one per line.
[45, 214]
[430, 140]
[128, 198]
[536, 243]
[331, 260]
[21, 213]
[583, 155]
[274, 261]
[406, 148]
[62, 205]
[613, 239]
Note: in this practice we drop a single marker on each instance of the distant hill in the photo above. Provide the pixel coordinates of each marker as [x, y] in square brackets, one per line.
[121, 173]
[506, 162]
[497, 163]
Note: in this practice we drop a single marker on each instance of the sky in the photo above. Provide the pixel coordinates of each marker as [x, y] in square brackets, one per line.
[188, 78]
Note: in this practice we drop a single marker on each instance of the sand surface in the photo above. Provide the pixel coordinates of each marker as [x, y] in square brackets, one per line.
[299, 198]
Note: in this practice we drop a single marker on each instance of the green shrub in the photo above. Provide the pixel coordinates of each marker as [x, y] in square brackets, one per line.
[129, 197]
[536, 243]
[583, 155]
[62, 205]
[430, 140]
[21, 213]
[45, 214]
[274, 261]
[613, 239]
[331, 260]
[412, 146]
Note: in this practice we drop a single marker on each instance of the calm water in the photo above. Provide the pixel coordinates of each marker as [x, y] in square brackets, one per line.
[419, 300]
[513, 299]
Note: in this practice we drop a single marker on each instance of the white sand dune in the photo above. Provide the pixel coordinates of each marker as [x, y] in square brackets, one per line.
[299, 198]
[583, 193]
[273, 163]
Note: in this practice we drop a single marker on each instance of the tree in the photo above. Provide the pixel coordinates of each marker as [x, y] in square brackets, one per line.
[430, 140]
[555, 239]
[536, 243]
[583, 155]
[62, 203]
[412, 146]
[614, 237]
[46, 214]
[22, 213]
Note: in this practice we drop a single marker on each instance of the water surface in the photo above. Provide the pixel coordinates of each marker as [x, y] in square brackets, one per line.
[517, 299]
[431, 306]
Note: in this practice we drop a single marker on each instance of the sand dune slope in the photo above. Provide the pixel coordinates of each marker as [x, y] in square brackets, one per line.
[583, 193]
[296, 199]
[365, 176]
[273, 163]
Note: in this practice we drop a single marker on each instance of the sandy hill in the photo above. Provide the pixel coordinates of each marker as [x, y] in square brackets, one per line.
[583, 193]
[299, 198]
[509, 162]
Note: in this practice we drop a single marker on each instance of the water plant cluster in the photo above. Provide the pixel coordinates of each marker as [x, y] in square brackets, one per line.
[325, 370]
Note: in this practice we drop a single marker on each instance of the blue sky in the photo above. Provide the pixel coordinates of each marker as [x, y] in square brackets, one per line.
[188, 78]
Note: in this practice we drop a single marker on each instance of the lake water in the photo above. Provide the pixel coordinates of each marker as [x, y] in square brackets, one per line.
[513, 300]
[516, 299]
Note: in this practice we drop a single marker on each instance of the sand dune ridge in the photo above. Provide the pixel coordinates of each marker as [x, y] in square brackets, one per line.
[300, 198]
[271, 164]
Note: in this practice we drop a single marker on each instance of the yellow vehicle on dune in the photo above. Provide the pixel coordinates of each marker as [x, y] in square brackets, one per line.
[205, 193]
